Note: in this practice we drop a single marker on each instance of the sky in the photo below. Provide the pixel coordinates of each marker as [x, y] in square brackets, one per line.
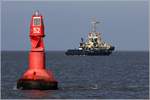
[124, 24]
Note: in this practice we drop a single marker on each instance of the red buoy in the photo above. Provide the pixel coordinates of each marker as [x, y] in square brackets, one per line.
[37, 77]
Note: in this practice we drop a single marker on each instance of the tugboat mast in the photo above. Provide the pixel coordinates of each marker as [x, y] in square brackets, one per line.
[94, 22]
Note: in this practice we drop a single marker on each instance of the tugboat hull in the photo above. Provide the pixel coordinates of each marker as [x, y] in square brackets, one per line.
[89, 52]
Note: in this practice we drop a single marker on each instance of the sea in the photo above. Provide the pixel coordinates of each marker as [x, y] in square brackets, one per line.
[122, 75]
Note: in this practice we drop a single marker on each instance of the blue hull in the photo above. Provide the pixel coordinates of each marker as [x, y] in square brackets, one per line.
[89, 52]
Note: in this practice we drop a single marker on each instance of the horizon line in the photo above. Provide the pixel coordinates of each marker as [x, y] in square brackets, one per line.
[66, 50]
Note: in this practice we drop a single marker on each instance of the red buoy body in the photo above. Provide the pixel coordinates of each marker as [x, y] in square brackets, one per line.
[37, 77]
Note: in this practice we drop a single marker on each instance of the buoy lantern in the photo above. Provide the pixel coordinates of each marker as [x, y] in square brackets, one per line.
[37, 77]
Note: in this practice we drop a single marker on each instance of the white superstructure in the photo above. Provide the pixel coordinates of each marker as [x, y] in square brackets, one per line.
[94, 40]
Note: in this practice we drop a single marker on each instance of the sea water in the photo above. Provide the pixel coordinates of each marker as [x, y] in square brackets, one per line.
[122, 75]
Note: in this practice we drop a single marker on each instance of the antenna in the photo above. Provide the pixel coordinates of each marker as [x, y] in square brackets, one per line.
[82, 39]
[94, 22]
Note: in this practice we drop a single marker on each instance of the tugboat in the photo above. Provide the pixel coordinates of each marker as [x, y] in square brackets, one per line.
[93, 46]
